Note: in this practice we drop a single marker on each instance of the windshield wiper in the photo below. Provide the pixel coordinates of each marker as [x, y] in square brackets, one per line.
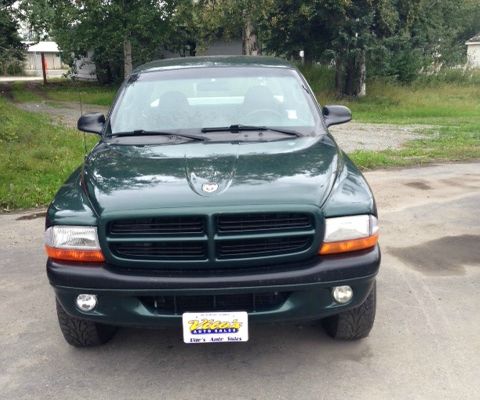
[142, 132]
[244, 128]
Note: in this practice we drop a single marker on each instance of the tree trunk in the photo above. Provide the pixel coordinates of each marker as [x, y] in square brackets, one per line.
[339, 77]
[44, 68]
[249, 38]
[351, 73]
[362, 78]
[127, 57]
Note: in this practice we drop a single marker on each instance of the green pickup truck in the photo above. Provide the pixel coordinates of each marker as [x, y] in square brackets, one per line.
[215, 198]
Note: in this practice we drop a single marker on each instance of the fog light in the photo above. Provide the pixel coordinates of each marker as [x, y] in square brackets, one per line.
[342, 294]
[86, 302]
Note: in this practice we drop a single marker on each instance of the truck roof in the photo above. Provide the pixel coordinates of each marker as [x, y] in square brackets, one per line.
[213, 61]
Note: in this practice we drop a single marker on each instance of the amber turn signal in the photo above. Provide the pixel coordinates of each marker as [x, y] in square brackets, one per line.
[75, 255]
[346, 246]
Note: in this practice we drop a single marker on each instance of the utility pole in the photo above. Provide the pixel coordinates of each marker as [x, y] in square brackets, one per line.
[44, 68]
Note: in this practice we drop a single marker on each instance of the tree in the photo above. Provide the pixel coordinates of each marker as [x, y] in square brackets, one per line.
[11, 48]
[196, 23]
[339, 30]
[120, 32]
[398, 38]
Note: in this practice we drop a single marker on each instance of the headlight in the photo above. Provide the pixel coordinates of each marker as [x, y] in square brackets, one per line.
[73, 243]
[345, 234]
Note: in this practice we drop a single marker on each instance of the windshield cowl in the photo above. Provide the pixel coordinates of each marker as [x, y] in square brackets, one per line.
[171, 138]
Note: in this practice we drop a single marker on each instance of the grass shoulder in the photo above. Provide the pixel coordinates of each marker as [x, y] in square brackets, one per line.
[64, 90]
[36, 156]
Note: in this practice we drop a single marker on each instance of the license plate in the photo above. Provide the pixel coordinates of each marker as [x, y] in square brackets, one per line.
[215, 327]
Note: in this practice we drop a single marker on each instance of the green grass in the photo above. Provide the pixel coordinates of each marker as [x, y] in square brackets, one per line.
[451, 97]
[36, 157]
[447, 104]
[452, 109]
[452, 143]
[64, 90]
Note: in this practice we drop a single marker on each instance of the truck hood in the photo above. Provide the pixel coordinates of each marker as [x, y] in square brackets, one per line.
[121, 178]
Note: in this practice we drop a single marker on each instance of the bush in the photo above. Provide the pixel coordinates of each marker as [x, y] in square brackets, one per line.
[11, 67]
[9, 127]
[320, 77]
[457, 76]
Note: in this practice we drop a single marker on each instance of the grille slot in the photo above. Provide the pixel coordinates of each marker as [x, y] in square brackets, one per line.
[261, 222]
[262, 247]
[161, 250]
[184, 225]
[211, 240]
[249, 302]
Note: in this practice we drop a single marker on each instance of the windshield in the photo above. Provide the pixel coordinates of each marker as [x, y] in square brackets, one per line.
[198, 98]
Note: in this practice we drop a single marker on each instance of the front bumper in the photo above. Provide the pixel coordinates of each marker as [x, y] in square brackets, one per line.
[120, 291]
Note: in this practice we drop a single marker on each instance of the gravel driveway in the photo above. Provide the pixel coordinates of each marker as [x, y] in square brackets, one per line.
[424, 345]
[352, 136]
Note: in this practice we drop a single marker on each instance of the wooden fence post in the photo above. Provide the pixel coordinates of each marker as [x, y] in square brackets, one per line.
[44, 69]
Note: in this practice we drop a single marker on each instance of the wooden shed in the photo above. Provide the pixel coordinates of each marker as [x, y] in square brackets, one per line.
[33, 62]
[473, 52]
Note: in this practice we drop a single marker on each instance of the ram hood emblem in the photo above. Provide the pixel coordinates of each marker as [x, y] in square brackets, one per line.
[210, 187]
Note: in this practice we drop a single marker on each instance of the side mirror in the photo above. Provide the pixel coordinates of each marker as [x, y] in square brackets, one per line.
[335, 115]
[91, 122]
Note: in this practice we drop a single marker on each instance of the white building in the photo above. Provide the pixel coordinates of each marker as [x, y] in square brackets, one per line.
[473, 52]
[53, 61]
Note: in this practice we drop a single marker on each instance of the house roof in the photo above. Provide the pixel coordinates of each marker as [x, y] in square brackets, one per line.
[44, 47]
[213, 61]
[475, 39]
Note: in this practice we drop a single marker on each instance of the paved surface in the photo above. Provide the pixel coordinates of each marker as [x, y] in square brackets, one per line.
[50, 74]
[425, 344]
[20, 78]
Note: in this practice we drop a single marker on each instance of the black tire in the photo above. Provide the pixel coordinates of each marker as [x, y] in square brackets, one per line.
[82, 333]
[356, 323]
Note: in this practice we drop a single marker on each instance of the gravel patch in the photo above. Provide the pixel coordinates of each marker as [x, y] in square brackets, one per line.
[362, 136]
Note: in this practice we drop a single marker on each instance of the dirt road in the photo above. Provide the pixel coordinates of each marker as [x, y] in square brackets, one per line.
[425, 343]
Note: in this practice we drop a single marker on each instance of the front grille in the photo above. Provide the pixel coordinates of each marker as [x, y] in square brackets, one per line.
[250, 302]
[262, 247]
[211, 239]
[158, 226]
[260, 222]
[161, 250]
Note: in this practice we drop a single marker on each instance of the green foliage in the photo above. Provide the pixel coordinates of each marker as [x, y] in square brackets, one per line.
[293, 25]
[331, 30]
[11, 48]
[103, 27]
[36, 159]
[430, 35]
[398, 38]
[199, 23]
[320, 77]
